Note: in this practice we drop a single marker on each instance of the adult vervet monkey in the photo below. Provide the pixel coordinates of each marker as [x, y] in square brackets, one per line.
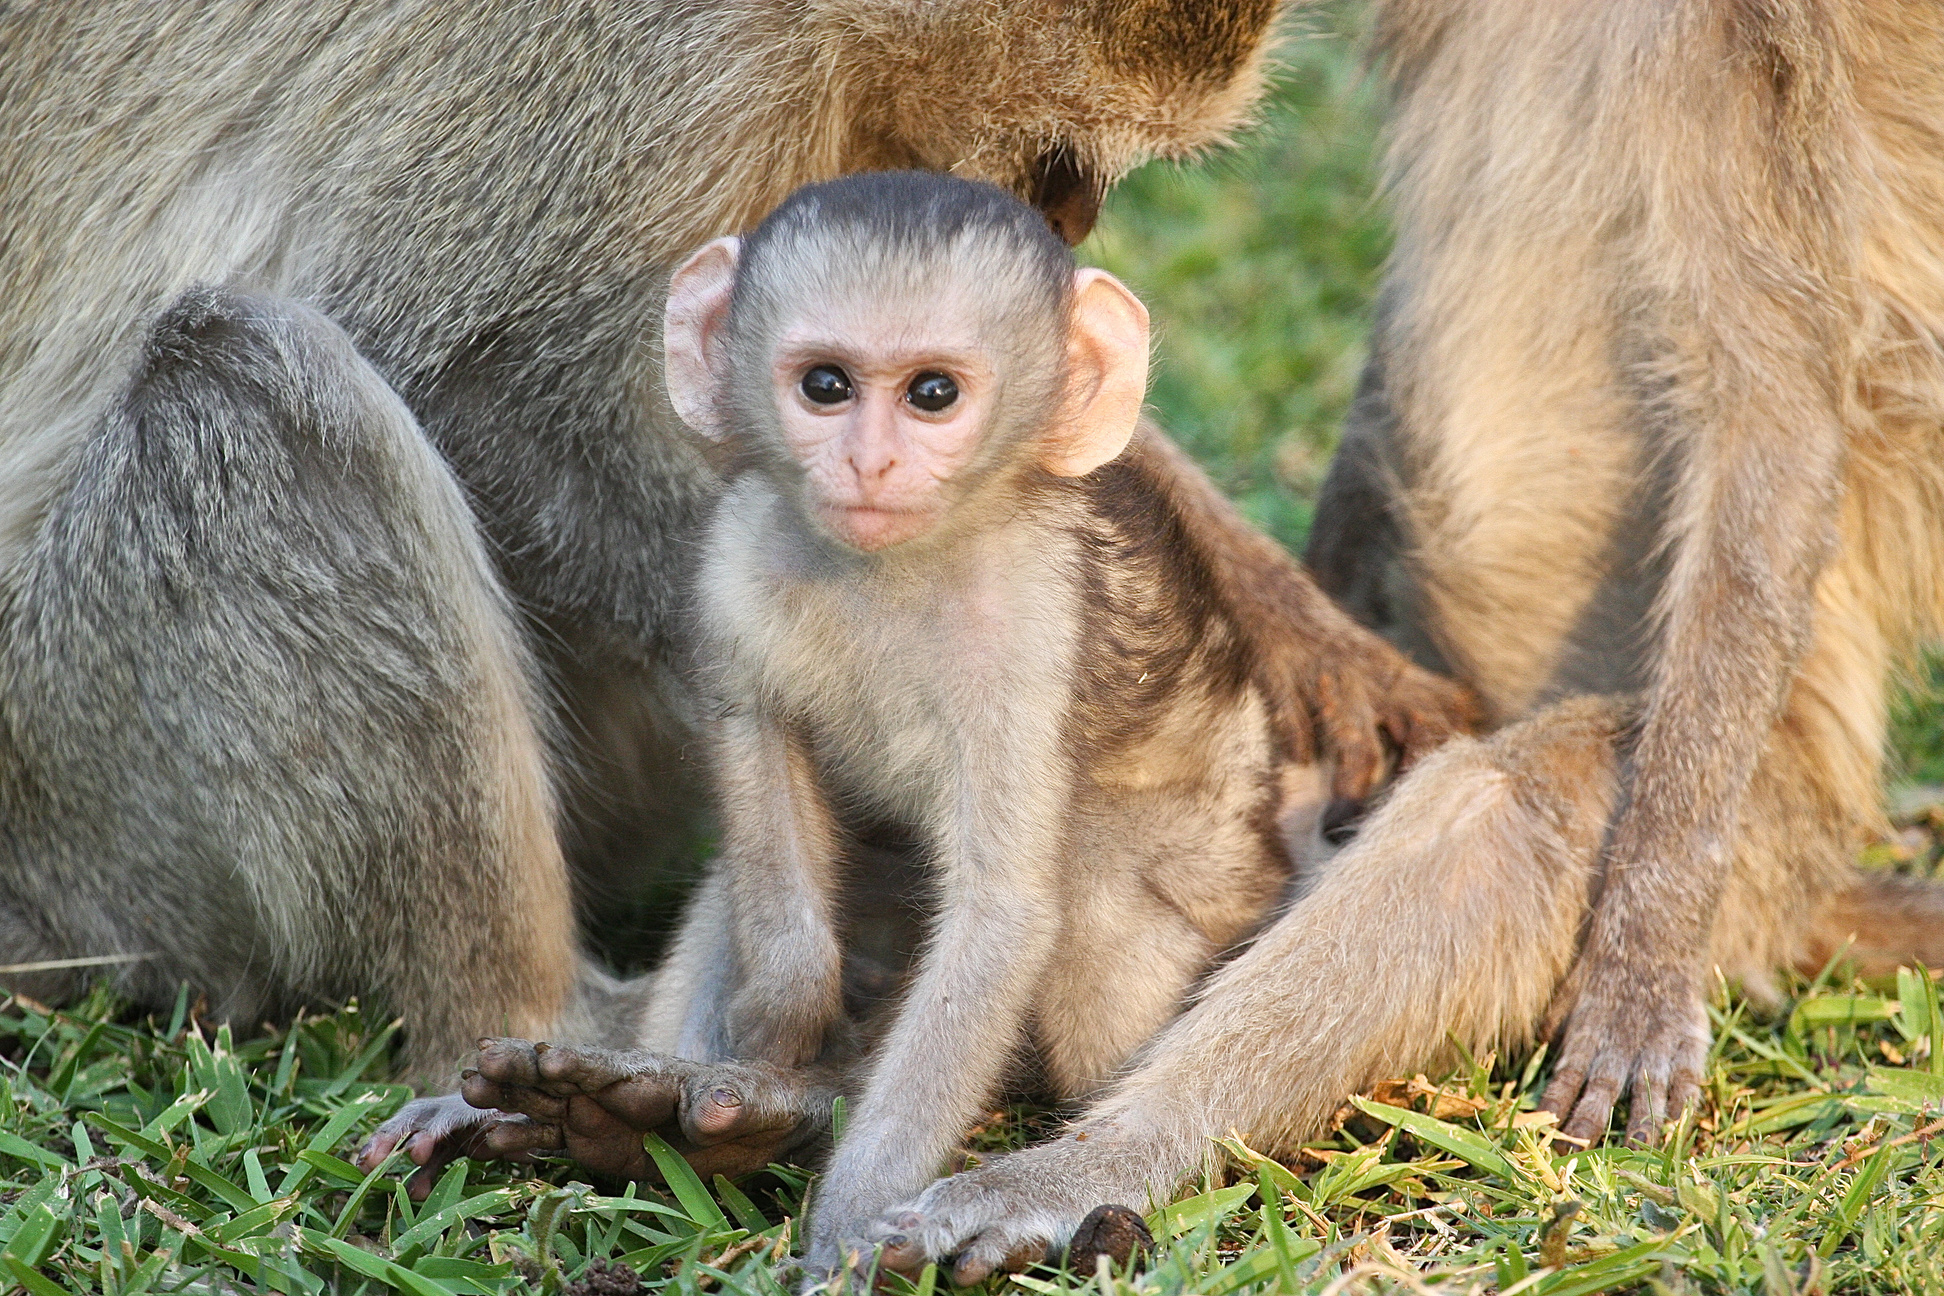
[336, 480]
[1654, 406]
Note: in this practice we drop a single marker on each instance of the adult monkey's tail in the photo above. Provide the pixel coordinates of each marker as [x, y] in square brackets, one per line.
[1880, 922]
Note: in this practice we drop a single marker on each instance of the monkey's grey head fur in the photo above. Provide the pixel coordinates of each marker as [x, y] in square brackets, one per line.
[923, 245]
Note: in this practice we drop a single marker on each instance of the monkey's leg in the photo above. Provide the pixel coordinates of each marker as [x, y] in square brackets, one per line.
[268, 715]
[1457, 909]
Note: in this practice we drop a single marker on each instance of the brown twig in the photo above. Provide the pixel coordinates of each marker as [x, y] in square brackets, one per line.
[1863, 1153]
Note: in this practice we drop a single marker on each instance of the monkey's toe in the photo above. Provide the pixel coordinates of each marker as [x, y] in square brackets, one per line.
[997, 1252]
[509, 1062]
[717, 1113]
[505, 1096]
[731, 1101]
[431, 1133]
[564, 1068]
[517, 1139]
[903, 1247]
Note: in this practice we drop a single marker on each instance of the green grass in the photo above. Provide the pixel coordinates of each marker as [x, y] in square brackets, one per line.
[153, 1155]
[156, 1155]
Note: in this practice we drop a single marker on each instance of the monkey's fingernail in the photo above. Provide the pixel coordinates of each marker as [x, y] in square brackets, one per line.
[542, 1047]
[469, 1073]
[726, 1098]
[483, 1043]
[895, 1240]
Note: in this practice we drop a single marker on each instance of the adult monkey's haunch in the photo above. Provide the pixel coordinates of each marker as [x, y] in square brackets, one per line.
[267, 709]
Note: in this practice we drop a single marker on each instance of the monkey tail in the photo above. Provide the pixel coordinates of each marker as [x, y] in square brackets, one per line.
[1880, 922]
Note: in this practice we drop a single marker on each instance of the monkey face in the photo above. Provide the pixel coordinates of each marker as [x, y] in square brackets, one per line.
[882, 418]
[897, 346]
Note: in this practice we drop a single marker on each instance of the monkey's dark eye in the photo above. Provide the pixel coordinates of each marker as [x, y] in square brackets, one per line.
[827, 385]
[932, 391]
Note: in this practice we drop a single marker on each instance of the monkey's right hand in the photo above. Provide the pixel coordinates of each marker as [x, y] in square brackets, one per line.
[1370, 693]
[595, 1104]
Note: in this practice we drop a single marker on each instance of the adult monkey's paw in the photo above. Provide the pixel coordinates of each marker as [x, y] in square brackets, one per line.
[596, 1104]
[1645, 1037]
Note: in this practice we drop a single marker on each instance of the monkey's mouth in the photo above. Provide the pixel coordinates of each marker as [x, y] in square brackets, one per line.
[871, 528]
[1066, 194]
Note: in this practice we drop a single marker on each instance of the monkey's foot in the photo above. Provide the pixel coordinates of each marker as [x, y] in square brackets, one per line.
[436, 1131]
[1635, 1036]
[1082, 1190]
[594, 1105]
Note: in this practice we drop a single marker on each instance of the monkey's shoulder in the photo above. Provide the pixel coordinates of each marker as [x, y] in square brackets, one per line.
[1164, 685]
[1150, 601]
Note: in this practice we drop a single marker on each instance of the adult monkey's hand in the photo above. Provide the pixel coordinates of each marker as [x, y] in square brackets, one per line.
[1341, 693]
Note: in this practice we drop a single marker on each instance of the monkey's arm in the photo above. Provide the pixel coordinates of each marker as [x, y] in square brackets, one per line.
[1338, 689]
[779, 858]
[997, 920]
[1753, 527]
[1748, 317]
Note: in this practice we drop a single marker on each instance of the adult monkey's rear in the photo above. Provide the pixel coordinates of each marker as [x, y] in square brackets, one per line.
[265, 707]
[1654, 404]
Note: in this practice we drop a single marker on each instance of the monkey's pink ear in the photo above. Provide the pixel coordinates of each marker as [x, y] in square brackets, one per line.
[1107, 366]
[692, 333]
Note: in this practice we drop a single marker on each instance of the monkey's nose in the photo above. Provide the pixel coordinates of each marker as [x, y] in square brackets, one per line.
[1066, 194]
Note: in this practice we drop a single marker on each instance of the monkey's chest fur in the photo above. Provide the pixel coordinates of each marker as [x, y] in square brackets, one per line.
[1063, 678]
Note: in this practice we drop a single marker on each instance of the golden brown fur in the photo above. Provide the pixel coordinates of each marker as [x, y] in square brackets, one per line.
[1655, 405]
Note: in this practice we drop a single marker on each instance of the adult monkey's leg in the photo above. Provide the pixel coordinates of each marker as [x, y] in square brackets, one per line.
[1456, 909]
[268, 716]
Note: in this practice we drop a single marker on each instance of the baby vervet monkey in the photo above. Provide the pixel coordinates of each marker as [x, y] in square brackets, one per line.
[966, 662]
[933, 597]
